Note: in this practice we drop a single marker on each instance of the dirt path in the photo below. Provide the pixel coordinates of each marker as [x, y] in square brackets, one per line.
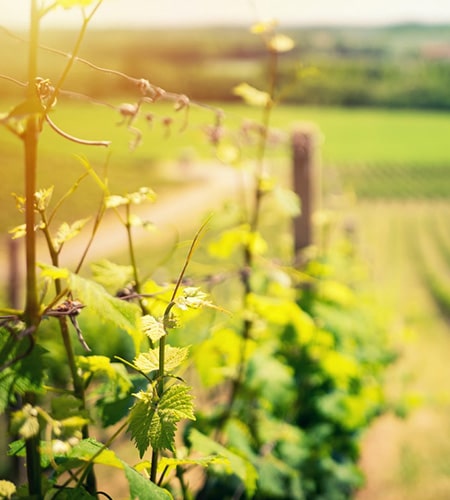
[181, 212]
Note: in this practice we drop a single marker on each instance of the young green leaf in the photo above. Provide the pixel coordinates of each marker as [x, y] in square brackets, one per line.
[142, 195]
[42, 199]
[143, 489]
[173, 463]
[27, 375]
[173, 357]
[153, 328]
[7, 489]
[68, 231]
[115, 201]
[140, 421]
[176, 404]
[281, 43]
[122, 314]
[67, 405]
[25, 423]
[111, 275]
[108, 308]
[251, 95]
[117, 378]
[232, 240]
[136, 221]
[18, 231]
[192, 298]
[53, 272]
[154, 422]
[91, 450]
[20, 202]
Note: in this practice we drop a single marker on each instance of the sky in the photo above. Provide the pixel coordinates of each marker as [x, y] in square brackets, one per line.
[128, 13]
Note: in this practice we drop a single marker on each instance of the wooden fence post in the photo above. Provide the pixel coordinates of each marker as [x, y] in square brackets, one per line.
[303, 186]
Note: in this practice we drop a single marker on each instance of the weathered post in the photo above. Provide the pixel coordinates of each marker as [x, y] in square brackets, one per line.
[303, 186]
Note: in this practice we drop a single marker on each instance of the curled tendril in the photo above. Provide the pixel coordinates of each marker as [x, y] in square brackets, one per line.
[71, 308]
[45, 91]
[72, 138]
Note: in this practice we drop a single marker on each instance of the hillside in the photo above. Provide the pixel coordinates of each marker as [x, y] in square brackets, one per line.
[404, 66]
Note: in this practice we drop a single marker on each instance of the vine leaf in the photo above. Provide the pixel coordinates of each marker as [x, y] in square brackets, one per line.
[252, 95]
[27, 375]
[90, 450]
[143, 489]
[111, 275]
[7, 489]
[173, 463]
[237, 464]
[25, 423]
[153, 328]
[18, 232]
[67, 406]
[123, 314]
[68, 231]
[153, 422]
[116, 200]
[192, 298]
[281, 43]
[144, 194]
[173, 357]
[42, 198]
[101, 366]
[231, 240]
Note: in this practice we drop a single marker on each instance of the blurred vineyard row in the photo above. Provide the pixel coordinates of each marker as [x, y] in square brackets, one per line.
[396, 180]
[433, 255]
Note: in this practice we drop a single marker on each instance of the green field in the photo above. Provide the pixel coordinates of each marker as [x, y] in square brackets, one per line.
[376, 153]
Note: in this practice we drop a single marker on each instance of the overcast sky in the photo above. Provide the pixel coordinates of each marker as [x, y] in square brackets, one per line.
[14, 13]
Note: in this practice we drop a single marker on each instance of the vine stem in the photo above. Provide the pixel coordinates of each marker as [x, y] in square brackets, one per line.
[254, 216]
[30, 141]
[31, 314]
[73, 56]
[162, 341]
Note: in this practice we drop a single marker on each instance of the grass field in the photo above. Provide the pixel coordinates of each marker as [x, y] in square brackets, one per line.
[397, 163]
[360, 146]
